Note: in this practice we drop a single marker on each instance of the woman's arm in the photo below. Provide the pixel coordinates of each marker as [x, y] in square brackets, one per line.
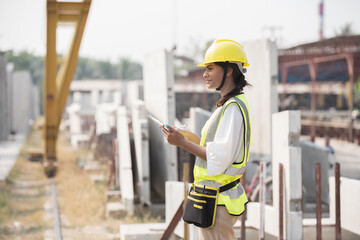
[176, 138]
[227, 143]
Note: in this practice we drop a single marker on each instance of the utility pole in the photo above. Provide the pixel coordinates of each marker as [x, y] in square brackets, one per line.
[321, 23]
[273, 32]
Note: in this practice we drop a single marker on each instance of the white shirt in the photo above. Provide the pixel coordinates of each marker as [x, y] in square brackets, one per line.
[222, 152]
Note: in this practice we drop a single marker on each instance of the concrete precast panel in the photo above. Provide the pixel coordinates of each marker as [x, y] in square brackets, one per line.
[262, 74]
[198, 118]
[141, 138]
[133, 93]
[35, 102]
[21, 101]
[286, 150]
[4, 128]
[159, 100]
[125, 166]
[312, 154]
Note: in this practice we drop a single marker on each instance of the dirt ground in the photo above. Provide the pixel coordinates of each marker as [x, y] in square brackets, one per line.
[26, 205]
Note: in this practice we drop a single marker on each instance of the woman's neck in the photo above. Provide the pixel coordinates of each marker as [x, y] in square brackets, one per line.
[228, 86]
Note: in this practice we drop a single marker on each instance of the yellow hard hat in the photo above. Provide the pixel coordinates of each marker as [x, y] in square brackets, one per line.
[225, 50]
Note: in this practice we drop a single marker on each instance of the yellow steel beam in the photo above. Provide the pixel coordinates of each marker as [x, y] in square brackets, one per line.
[56, 84]
[50, 104]
[68, 18]
[68, 67]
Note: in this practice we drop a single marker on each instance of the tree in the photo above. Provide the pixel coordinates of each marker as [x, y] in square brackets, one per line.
[129, 70]
[27, 61]
[345, 30]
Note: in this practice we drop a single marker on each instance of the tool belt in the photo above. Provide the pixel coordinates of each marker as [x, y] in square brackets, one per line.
[201, 203]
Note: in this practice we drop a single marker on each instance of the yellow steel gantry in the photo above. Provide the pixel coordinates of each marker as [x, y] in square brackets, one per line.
[58, 78]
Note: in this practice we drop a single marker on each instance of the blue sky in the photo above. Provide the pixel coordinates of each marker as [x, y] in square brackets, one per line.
[119, 28]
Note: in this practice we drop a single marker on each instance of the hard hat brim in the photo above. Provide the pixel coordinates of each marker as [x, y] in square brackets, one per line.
[204, 64]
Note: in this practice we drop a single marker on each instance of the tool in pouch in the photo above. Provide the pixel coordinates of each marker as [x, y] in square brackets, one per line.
[201, 203]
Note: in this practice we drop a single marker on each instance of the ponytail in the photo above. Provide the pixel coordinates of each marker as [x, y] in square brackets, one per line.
[239, 80]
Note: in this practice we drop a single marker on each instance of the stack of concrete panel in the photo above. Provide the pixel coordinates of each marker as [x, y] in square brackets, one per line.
[125, 170]
[286, 150]
[75, 123]
[262, 96]
[141, 138]
[95, 92]
[134, 93]
[22, 103]
[160, 102]
[105, 117]
[35, 102]
[349, 204]
[197, 120]
[74, 114]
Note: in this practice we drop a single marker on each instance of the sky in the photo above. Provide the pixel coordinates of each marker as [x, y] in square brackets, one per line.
[134, 28]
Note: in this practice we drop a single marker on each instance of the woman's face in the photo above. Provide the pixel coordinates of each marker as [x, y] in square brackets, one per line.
[213, 75]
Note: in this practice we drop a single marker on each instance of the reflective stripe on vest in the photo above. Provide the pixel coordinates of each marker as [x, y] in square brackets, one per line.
[235, 198]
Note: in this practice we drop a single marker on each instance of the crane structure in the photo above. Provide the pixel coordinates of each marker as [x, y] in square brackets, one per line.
[59, 74]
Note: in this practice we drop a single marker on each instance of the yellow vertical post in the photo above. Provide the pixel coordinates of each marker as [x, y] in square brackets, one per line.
[50, 104]
[57, 83]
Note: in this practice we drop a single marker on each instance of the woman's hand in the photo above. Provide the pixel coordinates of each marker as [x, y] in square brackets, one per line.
[172, 136]
[176, 138]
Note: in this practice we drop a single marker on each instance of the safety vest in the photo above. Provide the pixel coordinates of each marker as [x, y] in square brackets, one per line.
[235, 198]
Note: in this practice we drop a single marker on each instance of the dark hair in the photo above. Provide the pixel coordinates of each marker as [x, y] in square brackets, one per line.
[239, 79]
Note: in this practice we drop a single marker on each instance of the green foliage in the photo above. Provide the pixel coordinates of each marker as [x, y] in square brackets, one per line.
[92, 69]
[357, 93]
[345, 30]
[27, 61]
[86, 68]
[129, 69]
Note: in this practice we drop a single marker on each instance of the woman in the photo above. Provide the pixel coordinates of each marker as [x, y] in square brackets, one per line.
[225, 141]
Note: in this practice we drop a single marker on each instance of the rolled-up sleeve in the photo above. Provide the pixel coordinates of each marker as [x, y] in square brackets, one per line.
[221, 153]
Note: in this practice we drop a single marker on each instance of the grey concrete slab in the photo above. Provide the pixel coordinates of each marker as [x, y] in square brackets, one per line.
[4, 98]
[21, 101]
[312, 154]
[9, 151]
[114, 207]
[125, 165]
[159, 100]
[197, 120]
[349, 203]
[262, 96]
[286, 150]
[140, 126]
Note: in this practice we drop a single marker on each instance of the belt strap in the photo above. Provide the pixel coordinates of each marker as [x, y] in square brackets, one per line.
[229, 185]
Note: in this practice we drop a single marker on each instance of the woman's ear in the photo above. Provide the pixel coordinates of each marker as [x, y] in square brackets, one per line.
[229, 72]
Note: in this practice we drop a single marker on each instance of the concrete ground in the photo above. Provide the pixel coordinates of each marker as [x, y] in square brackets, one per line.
[328, 233]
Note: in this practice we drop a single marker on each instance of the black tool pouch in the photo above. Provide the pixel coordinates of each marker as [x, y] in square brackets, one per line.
[200, 207]
[201, 203]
